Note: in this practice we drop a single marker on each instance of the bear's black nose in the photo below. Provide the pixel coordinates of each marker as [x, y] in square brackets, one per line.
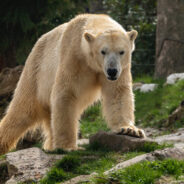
[112, 72]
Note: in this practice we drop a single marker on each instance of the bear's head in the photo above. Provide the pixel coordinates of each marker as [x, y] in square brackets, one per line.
[111, 51]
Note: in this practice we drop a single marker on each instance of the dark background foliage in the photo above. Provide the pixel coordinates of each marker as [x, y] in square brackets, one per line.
[22, 22]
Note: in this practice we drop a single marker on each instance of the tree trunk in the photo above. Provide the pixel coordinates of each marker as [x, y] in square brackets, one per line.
[170, 38]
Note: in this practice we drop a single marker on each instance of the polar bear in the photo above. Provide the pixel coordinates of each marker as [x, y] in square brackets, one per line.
[68, 69]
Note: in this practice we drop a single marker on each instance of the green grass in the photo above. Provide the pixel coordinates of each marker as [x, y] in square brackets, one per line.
[94, 159]
[56, 175]
[92, 121]
[69, 163]
[79, 163]
[153, 108]
[149, 147]
[85, 162]
[2, 157]
[148, 79]
[142, 173]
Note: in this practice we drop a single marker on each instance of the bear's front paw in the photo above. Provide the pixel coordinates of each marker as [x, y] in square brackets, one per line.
[132, 131]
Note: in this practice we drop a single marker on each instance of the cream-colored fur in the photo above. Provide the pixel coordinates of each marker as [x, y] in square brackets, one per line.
[64, 74]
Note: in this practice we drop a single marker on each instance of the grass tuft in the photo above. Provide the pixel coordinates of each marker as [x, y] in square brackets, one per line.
[158, 105]
[69, 163]
[169, 167]
[149, 147]
[2, 157]
[56, 175]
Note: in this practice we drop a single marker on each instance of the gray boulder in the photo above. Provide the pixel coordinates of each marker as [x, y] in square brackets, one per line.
[29, 165]
[116, 142]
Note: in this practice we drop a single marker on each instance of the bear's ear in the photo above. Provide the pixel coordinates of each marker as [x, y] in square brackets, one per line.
[132, 35]
[89, 37]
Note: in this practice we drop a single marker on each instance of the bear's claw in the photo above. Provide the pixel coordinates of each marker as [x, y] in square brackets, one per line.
[132, 131]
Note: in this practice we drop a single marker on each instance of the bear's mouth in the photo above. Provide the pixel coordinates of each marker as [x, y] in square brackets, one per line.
[112, 78]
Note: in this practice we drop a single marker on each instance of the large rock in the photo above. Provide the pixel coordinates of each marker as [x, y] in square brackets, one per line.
[174, 153]
[29, 165]
[144, 87]
[148, 87]
[173, 78]
[116, 142]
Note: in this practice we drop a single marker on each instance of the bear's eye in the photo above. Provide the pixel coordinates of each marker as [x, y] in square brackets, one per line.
[121, 52]
[103, 52]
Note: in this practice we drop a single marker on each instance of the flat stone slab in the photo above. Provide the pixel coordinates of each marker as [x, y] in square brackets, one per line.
[175, 153]
[116, 142]
[29, 164]
[130, 162]
[177, 137]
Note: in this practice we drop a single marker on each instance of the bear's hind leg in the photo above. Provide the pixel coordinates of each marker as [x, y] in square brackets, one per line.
[12, 127]
[48, 142]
